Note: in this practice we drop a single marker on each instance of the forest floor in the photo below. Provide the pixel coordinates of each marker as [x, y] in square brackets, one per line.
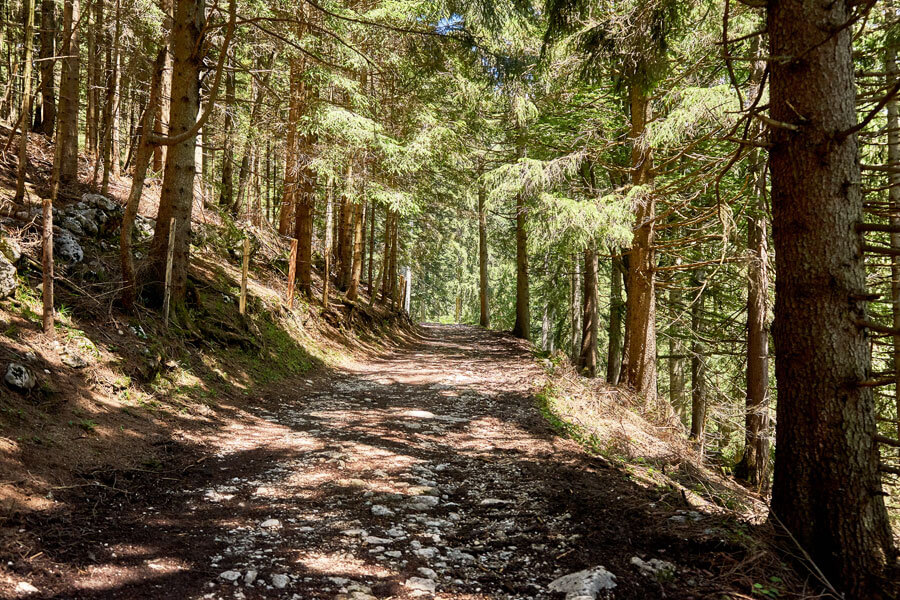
[429, 470]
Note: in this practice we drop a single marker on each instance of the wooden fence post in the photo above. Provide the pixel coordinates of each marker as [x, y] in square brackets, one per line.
[47, 264]
[243, 305]
[170, 254]
[292, 274]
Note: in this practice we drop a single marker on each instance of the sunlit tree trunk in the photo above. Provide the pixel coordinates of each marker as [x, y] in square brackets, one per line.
[226, 198]
[640, 371]
[176, 198]
[165, 90]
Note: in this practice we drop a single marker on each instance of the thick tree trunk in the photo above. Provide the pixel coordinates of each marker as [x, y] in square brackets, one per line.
[373, 215]
[67, 128]
[827, 491]
[522, 326]
[176, 198]
[587, 358]
[640, 369]
[386, 255]
[326, 251]
[616, 308]
[893, 127]
[485, 313]
[45, 120]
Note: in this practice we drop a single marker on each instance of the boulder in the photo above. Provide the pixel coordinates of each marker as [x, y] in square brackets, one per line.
[584, 585]
[8, 280]
[19, 377]
[67, 248]
[10, 249]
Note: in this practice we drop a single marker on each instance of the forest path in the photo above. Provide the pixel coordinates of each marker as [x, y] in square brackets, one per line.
[428, 472]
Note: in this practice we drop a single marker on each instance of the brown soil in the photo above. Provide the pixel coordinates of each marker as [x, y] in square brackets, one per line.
[452, 417]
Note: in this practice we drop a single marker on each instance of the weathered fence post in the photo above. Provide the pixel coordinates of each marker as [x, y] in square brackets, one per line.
[292, 274]
[243, 305]
[170, 253]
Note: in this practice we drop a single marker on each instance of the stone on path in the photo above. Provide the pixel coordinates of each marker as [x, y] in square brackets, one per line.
[584, 585]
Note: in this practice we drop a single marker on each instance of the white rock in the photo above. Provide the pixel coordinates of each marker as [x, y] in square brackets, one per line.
[427, 573]
[19, 377]
[250, 576]
[270, 524]
[280, 581]
[371, 540]
[230, 575]
[382, 511]
[653, 567]
[494, 502]
[23, 587]
[584, 585]
[426, 553]
[8, 280]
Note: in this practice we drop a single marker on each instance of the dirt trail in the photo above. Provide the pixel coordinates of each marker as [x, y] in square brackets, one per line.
[427, 473]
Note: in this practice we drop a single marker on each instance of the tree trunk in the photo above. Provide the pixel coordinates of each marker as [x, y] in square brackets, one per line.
[373, 214]
[698, 366]
[142, 160]
[226, 196]
[264, 65]
[587, 358]
[485, 314]
[176, 198]
[616, 308]
[754, 464]
[357, 244]
[676, 357]
[165, 90]
[345, 235]
[25, 119]
[827, 491]
[893, 127]
[45, 121]
[326, 251]
[522, 326]
[640, 371]
[110, 109]
[67, 135]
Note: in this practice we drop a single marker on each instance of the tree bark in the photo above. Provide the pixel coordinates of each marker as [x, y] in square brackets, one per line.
[25, 119]
[226, 196]
[485, 313]
[893, 127]
[522, 326]
[587, 358]
[165, 90]
[176, 198]
[357, 243]
[676, 357]
[45, 120]
[616, 308]
[640, 370]
[67, 135]
[827, 492]
[142, 159]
